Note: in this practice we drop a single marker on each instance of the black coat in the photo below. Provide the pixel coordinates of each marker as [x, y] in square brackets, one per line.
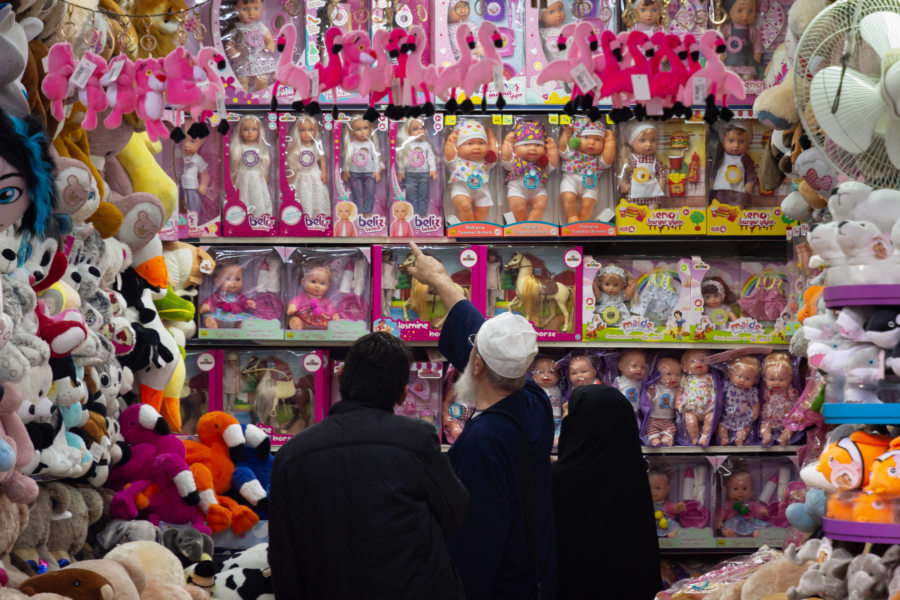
[359, 507]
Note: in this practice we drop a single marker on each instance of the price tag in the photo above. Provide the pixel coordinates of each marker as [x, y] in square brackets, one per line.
[449, 120]
[83, 71]
[220, 105]
[497, 119]
[507, 120]
[640, 84]
[115, 70]
[554, 119]
[565, 120]
[583, 78]
[498, 80]
[698, 90]
[509, 217]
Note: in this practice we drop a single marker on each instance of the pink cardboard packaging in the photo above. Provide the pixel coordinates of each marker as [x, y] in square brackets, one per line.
[248, 181]
[416, 209]
[305, 198]
[349, 220]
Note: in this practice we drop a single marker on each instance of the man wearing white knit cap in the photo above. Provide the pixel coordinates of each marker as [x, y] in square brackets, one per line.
[506, 547]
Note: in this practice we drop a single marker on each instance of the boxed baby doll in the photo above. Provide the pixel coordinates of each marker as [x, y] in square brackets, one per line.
[282, 392]
[415, 177]
[198, 171]
[326, 293]
[242, 299]
[587, 153]
[409, 309]
[541, 283]
[738, 204]
[531, 161]
[251, 170]
[751, 500]
[636, 299]
[453, 18]
[202, 386]
[473, 179]
[544, 24]
[661, 177]
[360, 159]
[253, 37]
[683, 492]
[306, 175]
[343, 16]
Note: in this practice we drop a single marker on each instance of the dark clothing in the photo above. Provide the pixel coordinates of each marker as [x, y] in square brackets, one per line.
[491, 549]
[359, 507]
[605, 530]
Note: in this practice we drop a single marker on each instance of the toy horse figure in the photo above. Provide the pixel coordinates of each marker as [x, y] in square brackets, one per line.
[420, 294]
[533, 290]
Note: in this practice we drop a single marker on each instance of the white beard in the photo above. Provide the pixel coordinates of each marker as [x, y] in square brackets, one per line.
[465, 387]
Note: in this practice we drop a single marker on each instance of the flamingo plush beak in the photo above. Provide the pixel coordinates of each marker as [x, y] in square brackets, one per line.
[617, 53]
[720, 48]
[683, 55]
[695, 55]
[220, 62]
[281, 43]
[498, 40]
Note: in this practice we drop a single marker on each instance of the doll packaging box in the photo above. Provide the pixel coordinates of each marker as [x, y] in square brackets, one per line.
[587, 153]
[415, 181]
[360, 158]
[637, 299]
[409, 309]
[327, 293]
[752, 495]
[242, 299]
[424, 393]
[251, 165]
[541, 283]
[508, 17]
[246, 32]
[282, 392]
[738, 205]
[306, 175]
[661, 177]
[531, 161]
[544, 24]
[322, 15]
[202, 388]
[198, 171]
[473, 177]
[683, 491]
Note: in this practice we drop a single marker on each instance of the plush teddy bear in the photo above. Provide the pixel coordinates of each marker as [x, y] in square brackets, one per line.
[69, 527]
[13, 520]
[76, 584]
[30, 553]
[162, 569]
[14, 38]
[16, 485]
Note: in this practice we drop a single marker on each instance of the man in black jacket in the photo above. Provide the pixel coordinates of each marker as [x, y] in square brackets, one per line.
[360, 503]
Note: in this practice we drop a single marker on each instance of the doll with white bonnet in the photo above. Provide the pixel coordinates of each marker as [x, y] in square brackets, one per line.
[740, 408]
[249, 45]
[306, 158]
[743, 43]
[469, 153]
[552, 20]
[662, 396]
[529, 156]
[632, 372]
[249, 161]
[361, 164]
[779, 396]
[416, 166]
[735, 172]
[642, 175]
[697, 398]
[587, 148]
[613, 287]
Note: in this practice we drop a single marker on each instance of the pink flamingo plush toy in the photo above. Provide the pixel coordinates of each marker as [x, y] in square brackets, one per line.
[287, 72]
[330, 75]
[182, 91]
[120, 93]
[451, 77]
[375, 81]
[482, 73]
[420, 76]
[151, 86]
[616, 80]
[721, 83]
[208, 65]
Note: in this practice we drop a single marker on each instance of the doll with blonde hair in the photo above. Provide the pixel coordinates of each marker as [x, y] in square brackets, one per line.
[416, 166]
[740, 408]
[362, 164]
[552, 20]
[346, 214]
[306, 159]
[249, 44]
[649, 16]
[249, 161]
[401, 227]
[227, 307]
[642, 174]
[779, 396]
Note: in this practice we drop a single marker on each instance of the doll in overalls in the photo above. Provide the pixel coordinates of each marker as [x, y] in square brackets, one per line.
[735, 172]
[743, 44]
[613, 286]
[587, 149]
[642, 174]
[528, 155]
[697, 400]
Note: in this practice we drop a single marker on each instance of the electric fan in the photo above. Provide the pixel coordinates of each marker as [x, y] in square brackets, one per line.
[847, 88]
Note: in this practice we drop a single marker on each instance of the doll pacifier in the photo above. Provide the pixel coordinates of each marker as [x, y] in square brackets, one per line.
[361, 157]
[306, 158]
[532, 180]
[250, 158]
[475, 181]
[456, 410]
[589, 179]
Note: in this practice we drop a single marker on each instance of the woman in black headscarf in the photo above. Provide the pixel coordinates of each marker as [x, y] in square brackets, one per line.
[605, 530]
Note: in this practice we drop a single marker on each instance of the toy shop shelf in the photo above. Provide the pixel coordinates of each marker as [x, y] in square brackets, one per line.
[837, 296]
[662, 345]
[312, 241]
[741, 111]
[710, 450]
[217, 343]
[876, 414]
[850, 531]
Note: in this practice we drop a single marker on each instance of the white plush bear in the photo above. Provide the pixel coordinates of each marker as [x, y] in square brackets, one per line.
[857, 201]
[868, 252]
[823, 241]
[848, 195]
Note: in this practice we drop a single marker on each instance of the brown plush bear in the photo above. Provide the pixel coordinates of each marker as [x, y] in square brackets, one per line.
[77, 584]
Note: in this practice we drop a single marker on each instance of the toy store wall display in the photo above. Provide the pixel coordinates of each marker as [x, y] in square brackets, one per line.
[409, 309]
[282, 392]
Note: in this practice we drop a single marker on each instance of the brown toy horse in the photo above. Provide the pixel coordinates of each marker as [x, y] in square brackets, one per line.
[534, 286]
[420, 294]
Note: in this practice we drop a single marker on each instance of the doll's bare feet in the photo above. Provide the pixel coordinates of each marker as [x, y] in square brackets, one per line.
[740, 437]
[295, 323]
[723, 435]
[729, 533]
[785, 436]
[766, 437]
[654, 442]
[704, 440]
[668, 440]
[210, 322]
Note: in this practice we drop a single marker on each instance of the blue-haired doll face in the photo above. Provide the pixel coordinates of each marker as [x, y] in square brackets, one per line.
[14, 198]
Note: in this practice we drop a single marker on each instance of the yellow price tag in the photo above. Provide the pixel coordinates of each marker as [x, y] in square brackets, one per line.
[449, 119]
[554, 119]
[609, 120]
[565, 120]
[507, 119]
[497, 119]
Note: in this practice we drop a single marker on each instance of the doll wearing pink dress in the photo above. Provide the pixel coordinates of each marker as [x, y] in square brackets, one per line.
[310, 308]
[227, 307]
[740, 408]
[697, 400]
[779, 396]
